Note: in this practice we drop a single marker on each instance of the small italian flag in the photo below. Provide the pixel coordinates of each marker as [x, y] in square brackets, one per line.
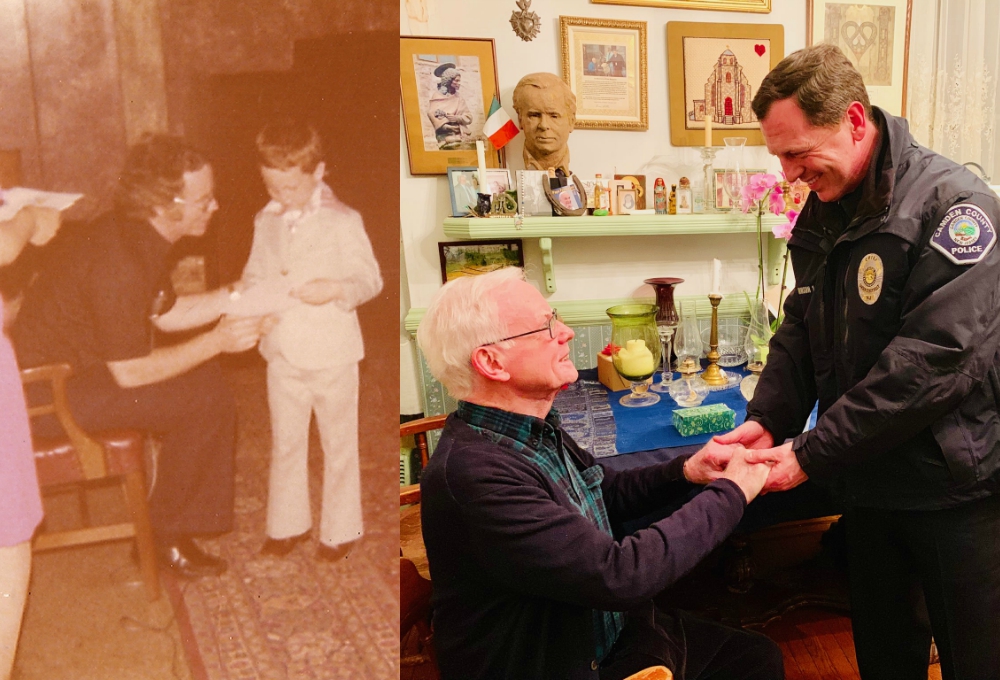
[499, 127]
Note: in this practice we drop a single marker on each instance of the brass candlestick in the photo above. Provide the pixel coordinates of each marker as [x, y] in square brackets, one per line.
[713, 375]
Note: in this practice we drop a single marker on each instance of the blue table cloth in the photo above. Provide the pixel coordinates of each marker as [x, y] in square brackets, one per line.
[652, 427]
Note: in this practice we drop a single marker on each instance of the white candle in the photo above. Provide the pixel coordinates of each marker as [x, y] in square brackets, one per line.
[635, 359]
[716, 275]
[709, 115]
[481, 158]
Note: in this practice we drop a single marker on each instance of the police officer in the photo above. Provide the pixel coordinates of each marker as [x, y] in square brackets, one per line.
[893, 328]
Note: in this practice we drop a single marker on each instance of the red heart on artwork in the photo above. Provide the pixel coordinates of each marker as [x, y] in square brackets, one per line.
[759, 49]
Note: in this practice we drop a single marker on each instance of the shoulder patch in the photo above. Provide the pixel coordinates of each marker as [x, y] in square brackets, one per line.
[965, 234]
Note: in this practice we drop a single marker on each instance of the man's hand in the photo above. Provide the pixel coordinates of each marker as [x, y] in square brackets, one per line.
[318, 291]
[750, 435]
[785, 471]
[708, 464]
[746, 475]
[238, 334]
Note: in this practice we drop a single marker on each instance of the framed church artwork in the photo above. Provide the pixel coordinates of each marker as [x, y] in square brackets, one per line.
[447, 85]
[715, 70]
[875, 36]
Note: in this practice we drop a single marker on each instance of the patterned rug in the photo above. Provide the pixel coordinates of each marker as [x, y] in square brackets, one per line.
[586, 416]
[295, 617]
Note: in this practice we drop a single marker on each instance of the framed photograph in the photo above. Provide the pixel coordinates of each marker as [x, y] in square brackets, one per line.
[471, 258]
[639, 184]
[463, 184]
[722, 199]
[604, 64]
[718, 68]
[531, 198]
[875, 36]
[760, 6]
[568, 197]
[627, 201]
[447, 85]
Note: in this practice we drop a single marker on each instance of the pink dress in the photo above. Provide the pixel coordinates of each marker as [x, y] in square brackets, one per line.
[20, 502]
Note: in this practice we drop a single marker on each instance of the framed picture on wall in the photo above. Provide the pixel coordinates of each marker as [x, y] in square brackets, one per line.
[715, 69]
[447, 85]
[761, 6]
[471, 258]
[604, 64]
[875, 36]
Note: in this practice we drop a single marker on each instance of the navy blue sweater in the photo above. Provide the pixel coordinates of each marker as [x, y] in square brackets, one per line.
[517, 570]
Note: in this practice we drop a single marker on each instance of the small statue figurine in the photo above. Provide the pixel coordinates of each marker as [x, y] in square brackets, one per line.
[672, 200]
[660, 196]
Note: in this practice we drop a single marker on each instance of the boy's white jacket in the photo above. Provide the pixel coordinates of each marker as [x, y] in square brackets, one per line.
[328, 242]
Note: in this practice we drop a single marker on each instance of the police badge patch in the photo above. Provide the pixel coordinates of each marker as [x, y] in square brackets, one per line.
[870, 275]
[965, 235]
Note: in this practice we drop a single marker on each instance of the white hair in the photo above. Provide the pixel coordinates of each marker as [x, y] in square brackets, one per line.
[462, 316]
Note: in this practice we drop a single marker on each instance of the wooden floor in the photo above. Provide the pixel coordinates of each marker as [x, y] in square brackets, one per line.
[817, 645]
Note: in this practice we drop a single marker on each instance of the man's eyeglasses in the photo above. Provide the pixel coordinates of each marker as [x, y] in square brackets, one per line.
[203, 204]
[550, 327]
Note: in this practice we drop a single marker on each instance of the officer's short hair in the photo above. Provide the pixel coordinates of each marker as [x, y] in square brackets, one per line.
[822, 80]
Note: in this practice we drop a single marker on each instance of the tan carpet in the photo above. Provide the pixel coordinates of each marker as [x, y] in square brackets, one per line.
[297, 617]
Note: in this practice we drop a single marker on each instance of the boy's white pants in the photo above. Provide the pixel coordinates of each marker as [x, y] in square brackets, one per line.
[293, 394]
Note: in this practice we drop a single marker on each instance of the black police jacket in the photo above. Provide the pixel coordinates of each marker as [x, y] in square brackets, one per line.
[894, 327]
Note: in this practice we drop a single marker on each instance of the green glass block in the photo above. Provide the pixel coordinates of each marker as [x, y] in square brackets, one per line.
[704, 419]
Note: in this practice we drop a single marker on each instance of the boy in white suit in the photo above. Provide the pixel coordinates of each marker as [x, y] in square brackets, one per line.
[309, 243]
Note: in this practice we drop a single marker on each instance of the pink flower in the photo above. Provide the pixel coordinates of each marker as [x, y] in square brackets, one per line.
[777, 201]
[784, 230]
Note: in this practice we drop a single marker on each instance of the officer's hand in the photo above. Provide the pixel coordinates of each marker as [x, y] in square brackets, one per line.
[748, 476]
[785, 471]
[237, 333]
[750, 434]
[709, 463]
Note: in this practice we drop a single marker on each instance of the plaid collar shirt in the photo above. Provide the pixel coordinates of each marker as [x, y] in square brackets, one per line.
[541, 442]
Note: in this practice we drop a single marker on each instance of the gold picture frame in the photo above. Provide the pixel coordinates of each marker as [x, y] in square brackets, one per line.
[699, 56]
[604, 64]
[881, 53]
[442, 121]
[758, 6]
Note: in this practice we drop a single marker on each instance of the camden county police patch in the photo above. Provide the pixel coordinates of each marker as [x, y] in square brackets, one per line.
[965, 234]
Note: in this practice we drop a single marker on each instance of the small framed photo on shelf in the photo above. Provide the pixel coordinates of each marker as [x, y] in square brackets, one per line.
[639, 184]
[531, 198]
[463, 184]
[723, 201]
[568, 197]
[471, 258]
[627, 201]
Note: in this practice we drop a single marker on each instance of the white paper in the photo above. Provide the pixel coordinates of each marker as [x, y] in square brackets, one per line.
[16, 198]
[270, 296]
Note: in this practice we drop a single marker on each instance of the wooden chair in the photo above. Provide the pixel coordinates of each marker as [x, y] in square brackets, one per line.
[79, 458]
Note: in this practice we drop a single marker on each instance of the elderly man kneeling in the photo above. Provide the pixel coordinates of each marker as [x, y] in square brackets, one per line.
[529, 579]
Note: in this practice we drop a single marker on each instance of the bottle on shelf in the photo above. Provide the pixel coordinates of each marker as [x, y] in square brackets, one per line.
[684, 199]
[672, 200]
[602, 200]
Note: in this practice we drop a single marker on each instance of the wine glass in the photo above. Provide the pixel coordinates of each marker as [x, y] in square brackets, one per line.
[633, 330]
[667, 320]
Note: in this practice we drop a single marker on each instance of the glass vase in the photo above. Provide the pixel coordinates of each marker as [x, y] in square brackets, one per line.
[734, 173]
[757, 345]
[667, 320]
[633, 330]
